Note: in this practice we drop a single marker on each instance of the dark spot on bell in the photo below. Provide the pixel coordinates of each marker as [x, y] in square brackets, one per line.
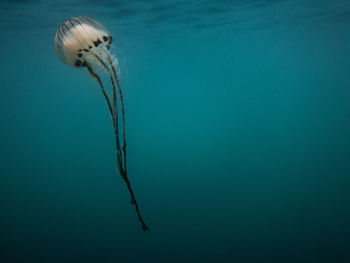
[80, 55]
[83, 64]
[97, 42]
[90, 47]
[78, 63]
[105, 38]
[86, 50]
[80, 50]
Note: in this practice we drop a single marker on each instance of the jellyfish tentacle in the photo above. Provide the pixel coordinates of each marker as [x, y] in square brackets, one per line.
[133, 199]
[134, 202]
[123, 172]
[126, 179]
[98, 79]
[121, 102]
[114, 114]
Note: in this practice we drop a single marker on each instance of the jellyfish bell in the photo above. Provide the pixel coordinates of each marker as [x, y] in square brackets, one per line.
[84, 42]
[79, 38]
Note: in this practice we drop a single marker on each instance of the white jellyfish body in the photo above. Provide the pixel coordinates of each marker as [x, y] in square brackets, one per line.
[78, 37]
[84, 42]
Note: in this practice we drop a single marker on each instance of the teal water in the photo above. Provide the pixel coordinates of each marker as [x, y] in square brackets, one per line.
[238, 125]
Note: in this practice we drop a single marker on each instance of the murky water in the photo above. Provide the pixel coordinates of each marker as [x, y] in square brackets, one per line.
[238, 123]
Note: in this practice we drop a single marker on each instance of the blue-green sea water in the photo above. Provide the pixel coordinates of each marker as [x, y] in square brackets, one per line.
[238, 134]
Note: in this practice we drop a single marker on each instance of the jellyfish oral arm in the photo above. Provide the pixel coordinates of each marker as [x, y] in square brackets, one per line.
[113, 109]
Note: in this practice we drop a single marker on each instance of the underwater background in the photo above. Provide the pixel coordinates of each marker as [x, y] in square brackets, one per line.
[238, 134]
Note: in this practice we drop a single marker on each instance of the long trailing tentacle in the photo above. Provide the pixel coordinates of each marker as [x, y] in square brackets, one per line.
[114, 113]
[121, 102]
[98, 79]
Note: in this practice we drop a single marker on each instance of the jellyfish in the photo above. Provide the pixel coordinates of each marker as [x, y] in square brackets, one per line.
[84, 42]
